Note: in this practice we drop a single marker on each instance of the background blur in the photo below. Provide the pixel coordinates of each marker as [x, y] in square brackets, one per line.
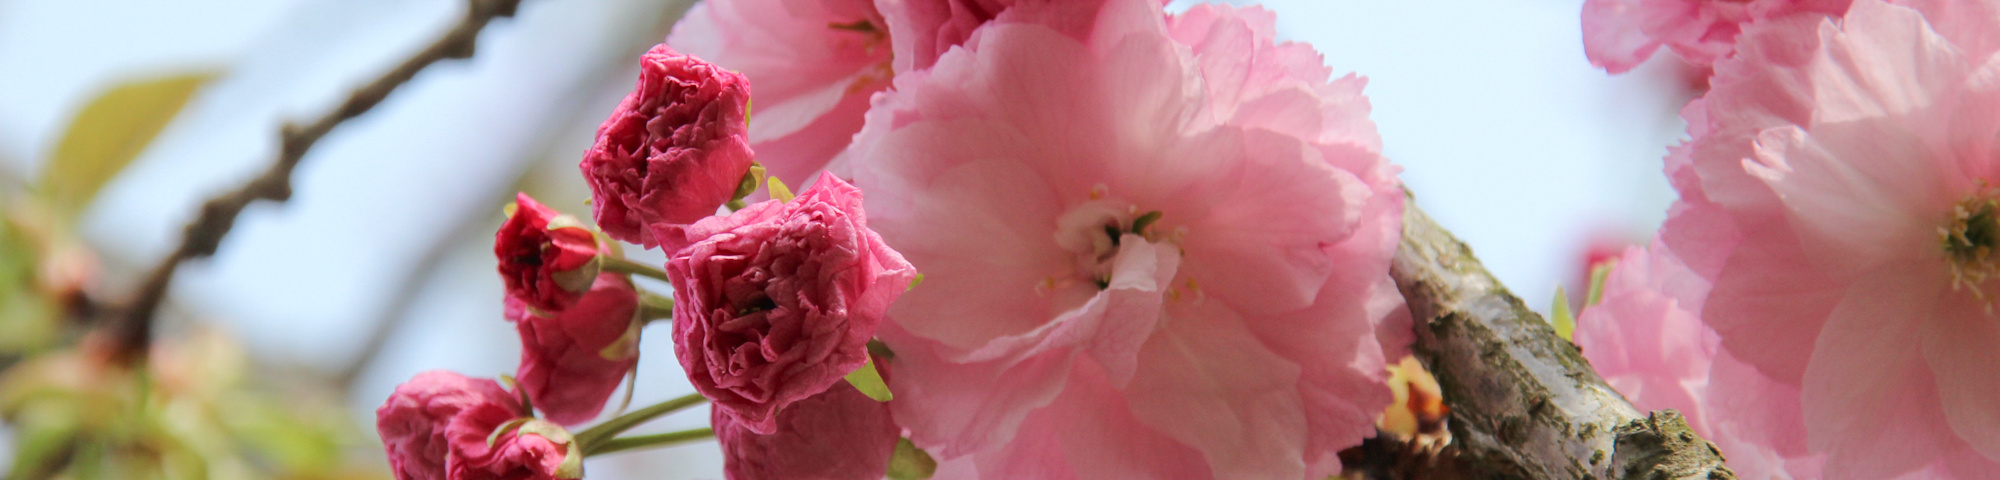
[380, 267]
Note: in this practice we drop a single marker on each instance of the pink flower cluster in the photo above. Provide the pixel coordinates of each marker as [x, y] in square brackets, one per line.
[1154, 245]
[774, 304]
[1833, 238]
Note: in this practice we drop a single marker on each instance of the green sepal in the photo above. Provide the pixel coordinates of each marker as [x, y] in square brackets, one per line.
[1560, 316]
[869, 382]
[492, 438]
[1597, 276]
[572, 464]
[910, 462]
[779, 191]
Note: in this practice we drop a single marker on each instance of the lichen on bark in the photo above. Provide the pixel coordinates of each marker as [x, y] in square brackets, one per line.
[1524, 402]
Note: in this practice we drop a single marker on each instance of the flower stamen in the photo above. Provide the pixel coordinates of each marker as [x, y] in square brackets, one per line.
[1969, 241]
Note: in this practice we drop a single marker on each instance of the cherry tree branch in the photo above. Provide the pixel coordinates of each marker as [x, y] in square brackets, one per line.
[1524, 402]
[132, 329]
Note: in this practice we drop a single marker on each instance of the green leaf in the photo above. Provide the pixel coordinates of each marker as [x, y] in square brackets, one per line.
[779, 192]
[43, 434]
[870, 382]
[1559, 315]
[109, 132]
[910, 462]
[1597, 276]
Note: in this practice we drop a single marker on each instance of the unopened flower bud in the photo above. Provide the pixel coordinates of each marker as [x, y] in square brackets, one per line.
[547, 259]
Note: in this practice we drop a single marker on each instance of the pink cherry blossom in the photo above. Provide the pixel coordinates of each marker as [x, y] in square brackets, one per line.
[572, 361]
[413, 421]
[481, 450]
[839, 434]
[1646, 340]
[674, 151]
[546, 258]
[815, 63]
[776, 302]
[1621, 34]
[1134, 265]
[1837, 193]
[922, 30]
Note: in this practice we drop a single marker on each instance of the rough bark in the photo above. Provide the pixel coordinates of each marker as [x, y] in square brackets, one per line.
[1524, 402]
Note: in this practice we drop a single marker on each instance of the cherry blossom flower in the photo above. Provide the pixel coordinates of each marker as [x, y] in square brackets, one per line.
[1621, 34]
[776, 302]
[674, 151]
[546, 258]
[1135, 264]
[1645, 339]
[487, 443]
[572, 361]
[413, 421]
[839, 434]
[1837, 193]
[815, 63]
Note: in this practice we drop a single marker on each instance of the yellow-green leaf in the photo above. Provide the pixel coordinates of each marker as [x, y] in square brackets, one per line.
[1597, 276]
[910, 462]
[779, 192]
[1559, 315]
[870, 382]
[109, 132]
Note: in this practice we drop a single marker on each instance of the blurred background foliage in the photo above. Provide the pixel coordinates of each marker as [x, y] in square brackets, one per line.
[193, 409]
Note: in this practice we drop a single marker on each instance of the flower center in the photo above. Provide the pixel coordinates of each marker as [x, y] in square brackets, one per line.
[1096, 231]
[1969, 241]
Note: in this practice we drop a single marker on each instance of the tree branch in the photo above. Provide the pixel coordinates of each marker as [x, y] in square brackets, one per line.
[132, 329]
[1524, 402]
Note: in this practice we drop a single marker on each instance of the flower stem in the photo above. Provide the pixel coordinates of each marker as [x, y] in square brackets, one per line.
[615, 426]
[621, 265]
[655, 307]
[644, 441]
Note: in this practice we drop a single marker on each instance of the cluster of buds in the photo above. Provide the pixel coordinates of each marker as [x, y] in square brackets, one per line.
[773, 306]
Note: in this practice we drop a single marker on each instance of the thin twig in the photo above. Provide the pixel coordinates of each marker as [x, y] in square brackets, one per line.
[133, 329]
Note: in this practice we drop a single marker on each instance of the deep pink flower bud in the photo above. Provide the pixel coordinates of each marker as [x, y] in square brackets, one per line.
[839, 434]
[776, 302]
[674, 151]
[413, 421]
[572, 361]
[547, 259]
[488, 443]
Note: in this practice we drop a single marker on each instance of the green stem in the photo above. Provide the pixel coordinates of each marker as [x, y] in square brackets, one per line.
[621, 265]
[643, 441]
[655, 307]
[615, 426]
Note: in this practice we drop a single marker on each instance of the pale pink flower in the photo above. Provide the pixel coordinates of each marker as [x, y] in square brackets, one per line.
[839, 434]
[673, 152]
[1837, 192]
[1125, 277]
[776, 302]
[1621, 34]
[922, 30]
[572, 361]
[413, 421]
[815, 63]
[1646, 340]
